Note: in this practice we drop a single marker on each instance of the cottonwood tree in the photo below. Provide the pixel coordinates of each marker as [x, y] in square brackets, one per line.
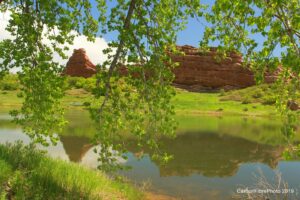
[237, 24]
[138, 104]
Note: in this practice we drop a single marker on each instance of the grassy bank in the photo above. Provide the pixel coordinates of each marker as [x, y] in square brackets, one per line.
[186, 103]
[256, 100]
[26, 173]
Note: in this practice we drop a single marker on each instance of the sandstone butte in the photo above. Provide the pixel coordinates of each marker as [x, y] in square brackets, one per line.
[202, 71]
[80, 65]
[197, 70]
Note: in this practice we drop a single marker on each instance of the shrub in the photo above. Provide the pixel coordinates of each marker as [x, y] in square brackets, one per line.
[80, 83]
[9, 82]
[246, 100]
[222, 92]
[269, 100]
[20, 95]
[86, 104]
[257, 94]
[87, 84]
[220, 109]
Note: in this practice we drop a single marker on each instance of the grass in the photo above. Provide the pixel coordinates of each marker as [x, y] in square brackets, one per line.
[26, 173]
[256, 100]
[186, 103]
[264, 94]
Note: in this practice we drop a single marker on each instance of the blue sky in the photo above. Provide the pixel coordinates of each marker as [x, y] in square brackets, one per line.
[193, 32]
[191, 35]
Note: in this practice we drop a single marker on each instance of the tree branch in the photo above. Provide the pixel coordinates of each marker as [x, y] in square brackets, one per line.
[282, 17]
[118, 52]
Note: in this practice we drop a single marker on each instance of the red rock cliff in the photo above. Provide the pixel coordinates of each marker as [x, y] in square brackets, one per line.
[199, 71]
[80, 65]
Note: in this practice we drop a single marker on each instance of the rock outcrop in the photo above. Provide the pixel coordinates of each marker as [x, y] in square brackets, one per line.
[293, 105]
[202, 71]
[80, 65]
[197, 70]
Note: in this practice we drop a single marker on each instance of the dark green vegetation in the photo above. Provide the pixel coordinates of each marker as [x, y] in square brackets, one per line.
[26, 173]
[134, 23]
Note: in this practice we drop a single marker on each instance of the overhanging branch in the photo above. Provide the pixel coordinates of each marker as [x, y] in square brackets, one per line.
[118, 52]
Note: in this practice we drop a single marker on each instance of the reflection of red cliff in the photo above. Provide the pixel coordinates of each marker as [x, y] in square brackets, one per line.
[80, 65]
[201, 70]
[197, 155]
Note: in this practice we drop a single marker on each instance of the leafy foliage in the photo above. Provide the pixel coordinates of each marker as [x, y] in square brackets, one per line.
[146, 31]
[235, 24]
[31, 24]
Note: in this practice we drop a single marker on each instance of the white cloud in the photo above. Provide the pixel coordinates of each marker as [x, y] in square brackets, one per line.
[93, 49]
[4, 17]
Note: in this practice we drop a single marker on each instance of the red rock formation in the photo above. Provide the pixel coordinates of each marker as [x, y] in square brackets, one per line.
[198, 71]
[80, 65]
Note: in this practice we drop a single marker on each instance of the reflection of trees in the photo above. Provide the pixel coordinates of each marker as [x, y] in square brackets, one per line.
[5, 123]
[211, 155]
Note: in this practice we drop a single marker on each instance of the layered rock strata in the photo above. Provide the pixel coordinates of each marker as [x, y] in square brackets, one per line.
[80, 65]
[199, 71]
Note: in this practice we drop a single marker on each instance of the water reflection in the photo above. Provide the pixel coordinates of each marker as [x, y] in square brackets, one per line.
[214, 155]
[75, 147]
[211, 155]
[216, 149]
[208, 154]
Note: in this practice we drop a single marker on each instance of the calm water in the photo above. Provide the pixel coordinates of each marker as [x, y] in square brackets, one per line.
[213, 156]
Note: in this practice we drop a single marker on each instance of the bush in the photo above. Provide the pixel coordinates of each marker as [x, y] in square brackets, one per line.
[86, 104]
[20, 95]
[269, 100]
[9, 82]
[87, 84]
[257, 94]
[222, 92]
[246, 100]
[71, 81]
